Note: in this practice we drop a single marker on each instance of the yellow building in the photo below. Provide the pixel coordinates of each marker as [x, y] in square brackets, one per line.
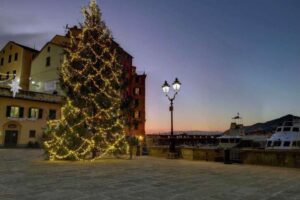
[15, 62]
[23, 118]
[44, 69]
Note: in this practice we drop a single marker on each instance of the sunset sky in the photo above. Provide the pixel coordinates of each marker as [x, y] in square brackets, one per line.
[230, 55]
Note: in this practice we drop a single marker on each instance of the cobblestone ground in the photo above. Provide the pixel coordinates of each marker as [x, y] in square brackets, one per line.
[24, 175]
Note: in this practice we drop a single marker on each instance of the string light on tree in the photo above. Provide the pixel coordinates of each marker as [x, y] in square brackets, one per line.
[92, 123]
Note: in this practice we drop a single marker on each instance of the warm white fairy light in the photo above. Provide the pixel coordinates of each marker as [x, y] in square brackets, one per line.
[92, 74]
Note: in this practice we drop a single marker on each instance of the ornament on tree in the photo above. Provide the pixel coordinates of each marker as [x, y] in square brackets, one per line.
[14, 87]
[92, 123]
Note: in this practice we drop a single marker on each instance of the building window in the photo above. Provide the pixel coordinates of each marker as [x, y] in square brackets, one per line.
[137, 79]
[14, 111]
[9, 59]
[52, 114]
[48, 49]
[136, 126]
[7, 75]
[10, 47]
[48, 62]
[0, 77]
[35, 113]
[137, 114]
[16, 56]
[50, 86]
[137, 91]
[2, 61]
[32, 134]
[14, 73]
[136, 102]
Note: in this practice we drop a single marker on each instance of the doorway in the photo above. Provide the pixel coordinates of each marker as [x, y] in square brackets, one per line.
[11, 138]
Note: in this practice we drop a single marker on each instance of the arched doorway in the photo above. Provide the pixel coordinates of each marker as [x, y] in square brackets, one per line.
[11, 134]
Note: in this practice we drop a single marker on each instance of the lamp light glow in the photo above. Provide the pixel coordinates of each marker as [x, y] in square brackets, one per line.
[176, 85]
[165, 87]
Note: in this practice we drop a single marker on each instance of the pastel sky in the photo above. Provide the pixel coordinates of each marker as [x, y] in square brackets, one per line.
[230, 55]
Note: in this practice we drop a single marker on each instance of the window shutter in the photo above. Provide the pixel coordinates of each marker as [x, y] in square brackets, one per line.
[21, 112]
[29, 113]
[8, 108]
[40, 113]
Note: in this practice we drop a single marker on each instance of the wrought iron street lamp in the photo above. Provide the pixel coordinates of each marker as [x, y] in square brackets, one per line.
[166, 88]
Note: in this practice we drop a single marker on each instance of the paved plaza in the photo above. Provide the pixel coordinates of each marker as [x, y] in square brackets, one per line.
[25, 175]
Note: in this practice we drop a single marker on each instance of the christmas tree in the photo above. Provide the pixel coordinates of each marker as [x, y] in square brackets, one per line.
[92, 123]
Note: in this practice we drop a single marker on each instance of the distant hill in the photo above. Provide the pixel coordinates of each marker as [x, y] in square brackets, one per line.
[267, 127]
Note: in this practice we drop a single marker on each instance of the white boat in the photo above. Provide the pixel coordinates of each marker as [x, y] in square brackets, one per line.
[286, 136]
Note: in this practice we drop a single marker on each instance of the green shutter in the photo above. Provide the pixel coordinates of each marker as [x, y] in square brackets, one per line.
[29, 113]
[8, 109]
[21, 112]
[40, 113]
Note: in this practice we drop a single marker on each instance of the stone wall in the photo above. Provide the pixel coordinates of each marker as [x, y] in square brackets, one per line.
[283, 158]
[158, 151]
[208, 154]
[189, 153]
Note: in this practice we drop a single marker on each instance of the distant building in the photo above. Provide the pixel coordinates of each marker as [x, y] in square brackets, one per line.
[22, 119]
[184, 139]
[15, 62]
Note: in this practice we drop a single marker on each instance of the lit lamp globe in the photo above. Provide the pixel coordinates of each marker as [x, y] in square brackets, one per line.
[165, 87]
[176, 85]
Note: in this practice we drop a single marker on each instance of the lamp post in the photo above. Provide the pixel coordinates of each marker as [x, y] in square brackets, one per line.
[166, 88]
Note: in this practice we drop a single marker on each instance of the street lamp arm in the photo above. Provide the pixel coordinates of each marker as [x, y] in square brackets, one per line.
[171, 99]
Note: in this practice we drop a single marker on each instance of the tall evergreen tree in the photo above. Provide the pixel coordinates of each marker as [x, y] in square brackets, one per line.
[92, 124]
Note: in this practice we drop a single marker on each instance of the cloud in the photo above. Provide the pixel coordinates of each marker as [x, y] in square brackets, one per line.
[33, 40]
[18, 29]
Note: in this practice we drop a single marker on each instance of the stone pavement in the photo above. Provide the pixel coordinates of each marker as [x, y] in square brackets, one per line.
[24, 175]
